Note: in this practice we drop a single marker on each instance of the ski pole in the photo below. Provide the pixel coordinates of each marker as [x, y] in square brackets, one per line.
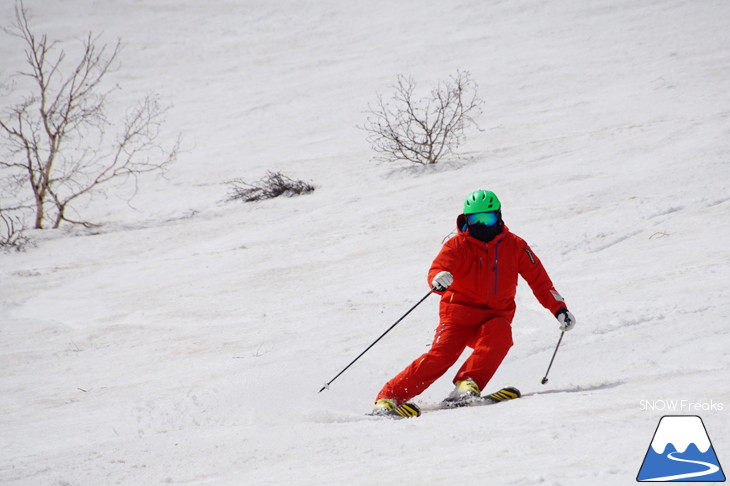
[545, 378]
[327, 385]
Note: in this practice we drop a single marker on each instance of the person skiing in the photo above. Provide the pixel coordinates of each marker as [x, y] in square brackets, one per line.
[476, 275]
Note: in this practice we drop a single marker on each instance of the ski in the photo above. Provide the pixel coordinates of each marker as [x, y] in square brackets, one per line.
[506, 393]
[406, 410]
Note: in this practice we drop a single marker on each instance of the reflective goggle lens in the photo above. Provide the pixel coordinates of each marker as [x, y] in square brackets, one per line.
[488, 219]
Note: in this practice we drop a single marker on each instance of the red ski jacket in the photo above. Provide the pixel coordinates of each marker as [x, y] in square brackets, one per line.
[485, 274]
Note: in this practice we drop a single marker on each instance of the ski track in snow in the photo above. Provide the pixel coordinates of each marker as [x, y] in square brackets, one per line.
[185, 339]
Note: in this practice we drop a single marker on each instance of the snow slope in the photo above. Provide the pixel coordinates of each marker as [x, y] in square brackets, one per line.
[184, 341]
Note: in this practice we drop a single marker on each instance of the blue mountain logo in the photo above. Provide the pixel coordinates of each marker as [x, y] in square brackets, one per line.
[681, 451]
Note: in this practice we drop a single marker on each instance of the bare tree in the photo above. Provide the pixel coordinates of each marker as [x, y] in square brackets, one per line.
[55, 142]
[422, 131]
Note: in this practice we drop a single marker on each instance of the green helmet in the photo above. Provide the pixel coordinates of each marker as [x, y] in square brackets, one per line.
[481, 201]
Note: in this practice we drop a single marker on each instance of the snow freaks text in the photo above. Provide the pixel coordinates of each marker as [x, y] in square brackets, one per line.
[681, 406]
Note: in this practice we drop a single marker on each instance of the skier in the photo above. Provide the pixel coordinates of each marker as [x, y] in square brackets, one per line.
[476, 274]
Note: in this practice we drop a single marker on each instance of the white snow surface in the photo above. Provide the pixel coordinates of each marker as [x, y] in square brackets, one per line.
[184, 340]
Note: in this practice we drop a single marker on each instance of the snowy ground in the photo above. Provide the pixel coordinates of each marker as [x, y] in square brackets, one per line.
[184, 341]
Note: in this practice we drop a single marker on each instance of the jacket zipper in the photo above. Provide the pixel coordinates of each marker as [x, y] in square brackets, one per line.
[480, 266]
[496, 265]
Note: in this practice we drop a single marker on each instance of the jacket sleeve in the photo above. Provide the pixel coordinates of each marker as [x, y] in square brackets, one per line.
[537, 278]
[448, 260]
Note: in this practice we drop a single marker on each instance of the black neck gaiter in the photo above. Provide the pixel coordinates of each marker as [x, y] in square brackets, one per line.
[485, 233]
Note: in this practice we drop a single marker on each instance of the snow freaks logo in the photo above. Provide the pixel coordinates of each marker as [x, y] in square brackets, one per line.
[681, 451]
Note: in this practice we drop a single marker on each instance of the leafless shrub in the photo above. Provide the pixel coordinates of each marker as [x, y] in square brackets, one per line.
[274, 184]
[422, 131]
[12, 235]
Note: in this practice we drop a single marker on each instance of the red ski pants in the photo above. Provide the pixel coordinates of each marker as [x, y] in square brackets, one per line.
[491, 339]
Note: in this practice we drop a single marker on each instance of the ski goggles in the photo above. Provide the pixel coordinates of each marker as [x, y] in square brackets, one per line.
[488, 218]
